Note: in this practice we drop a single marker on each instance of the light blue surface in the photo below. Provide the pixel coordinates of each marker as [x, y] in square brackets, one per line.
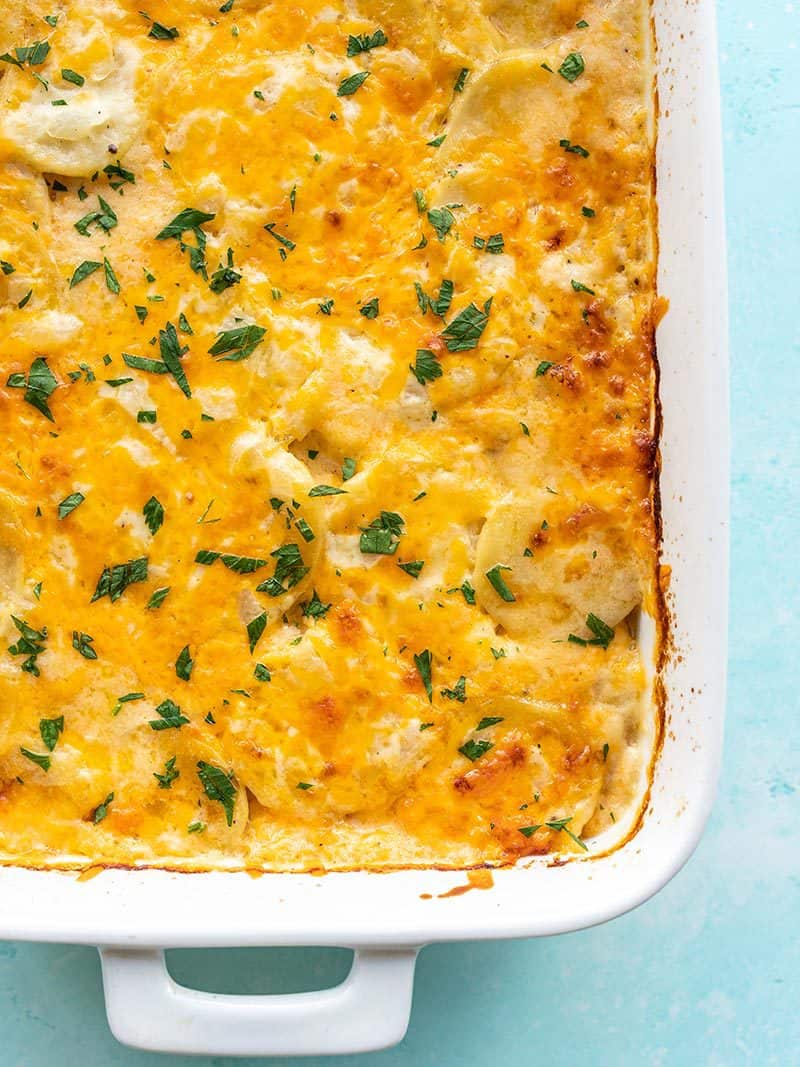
[708, 973]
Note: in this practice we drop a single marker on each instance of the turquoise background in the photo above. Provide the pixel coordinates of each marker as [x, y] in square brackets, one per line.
[707, 972]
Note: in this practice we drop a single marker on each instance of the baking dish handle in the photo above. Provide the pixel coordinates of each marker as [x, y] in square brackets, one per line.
[148, 1009]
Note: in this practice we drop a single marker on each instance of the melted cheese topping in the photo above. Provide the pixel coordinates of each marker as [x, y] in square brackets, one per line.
[326, 506]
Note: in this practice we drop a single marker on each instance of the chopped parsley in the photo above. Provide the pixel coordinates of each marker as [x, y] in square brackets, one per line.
[558, 825]
[237, 344]
[461, 80]
[575, 149]
[426, 367]
[464, 332]
[348, 469]
[171, 353]
[112, 282]
[543, 368]
[423, 661]
[153, 512]
[255, 628]
[383, 534]
[184, 664]
[225, 276]
[414, 569]
[352, 84]
[101, 811]
[158, 597]
[105, 218]
[30, 644]
[126, 699]
[284, 242]
[171, 716]
[314, 608]
[458, 692]
[572, 67]
[494, 244]
[579, 287]
[495, 579]
[290, 569]
[83, 271]
[33, 54]
[304, 530]
[117, 177]
[51, 730]
[190, 220]
[473, 750]
[163, 33]
[442, 219]
[72, 76]
[69, 503]
[169, 774]
[467, 591]
[83, 643]
[41, 760]
[603, 634]
[237, 564]
[218, 785]
[371, 309]
[440, 304]
[364, 42]
[115, 579]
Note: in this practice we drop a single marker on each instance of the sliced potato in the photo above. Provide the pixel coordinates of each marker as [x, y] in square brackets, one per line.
[274, 474]
[540, 757]
[25, 247]
[514, 108]
[524, 23]
[99, 117]
[559, 560]
[332, 734]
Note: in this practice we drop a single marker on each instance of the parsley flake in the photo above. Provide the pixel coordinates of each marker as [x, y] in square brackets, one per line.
[364, 42]
[219, 785]
[69, 503]
[352, 84]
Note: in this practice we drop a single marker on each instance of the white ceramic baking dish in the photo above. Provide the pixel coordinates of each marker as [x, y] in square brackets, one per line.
[134, 915]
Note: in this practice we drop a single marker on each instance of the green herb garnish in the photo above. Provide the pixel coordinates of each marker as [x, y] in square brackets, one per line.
[466, 329]
[69, 503]
[171, 716]
[219, 785]
[423, 661]
[364, 42]
[496, 581]
[169, 775]
[572, 67]
[352, 84]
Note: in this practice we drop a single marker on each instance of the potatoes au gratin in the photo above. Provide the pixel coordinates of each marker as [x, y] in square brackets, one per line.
[328, 505]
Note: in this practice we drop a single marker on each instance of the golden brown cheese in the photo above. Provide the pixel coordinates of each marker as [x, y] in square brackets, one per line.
[327, 501]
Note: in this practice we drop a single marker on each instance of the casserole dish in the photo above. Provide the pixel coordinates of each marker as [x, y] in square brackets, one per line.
[134, 915]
